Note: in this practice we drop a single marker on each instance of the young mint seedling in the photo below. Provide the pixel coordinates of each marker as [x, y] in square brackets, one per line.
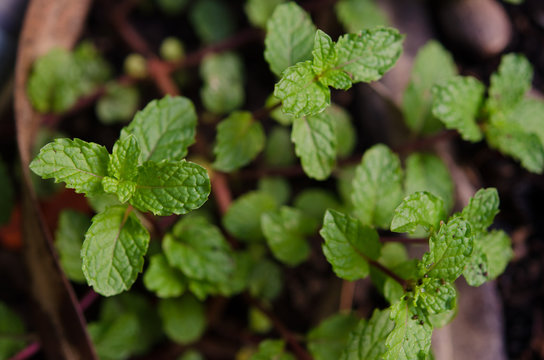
[146, 171]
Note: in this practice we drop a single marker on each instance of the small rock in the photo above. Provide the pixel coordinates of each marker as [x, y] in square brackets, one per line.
[480, 26]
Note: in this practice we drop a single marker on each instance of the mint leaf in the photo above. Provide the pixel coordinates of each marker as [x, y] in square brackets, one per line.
[113, 339]
[11, 327]
[289, 37]
[457, 102]
[199, 250]
[265, 280]
[113, 250]
[327, 340]
[346, 135]
[168, 188]
[356, 15]
[427, 172]
[123, 164]
[118, 104]
[223, 89]
[433, 64]
[528, 112]
[419, 209]
[212, 20]
[277, 187]
[367, 341]
[164, 280]
[243, 218]
[370, 54]
[315, 201]
[300, 91]
[315, 144]
[259, 11]
[348, 245]
[279, 149]
[272, 349]
[324, 59]
[164, 129]
[481, 209]
[476, 272]
[239, 140]
[123, 189]
[449, 250]
[284, 230]
[436, 296]
[510, 83]
[497, 247]
[68, 240]
[411, 336]
[377, 186]
[81, 165]
[183, 319]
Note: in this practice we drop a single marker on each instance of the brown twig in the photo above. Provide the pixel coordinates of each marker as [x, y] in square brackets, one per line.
[346, 296]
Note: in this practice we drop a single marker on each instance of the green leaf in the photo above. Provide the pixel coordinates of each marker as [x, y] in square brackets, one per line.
[300, 91]
[168, 188]
[6, 194]
[510, 83]
[418, 209]
[327, 340]
[370, 54]
[223, 89]
[265, 281]
[289, 37]
[199, 250]
[324, 61]
[277, 187]
[258, 321]
[475, 272]
[348, 245]
[346, 135]
[164, 280]
[436, 296]
[272, 350]
[497, 247]
[433, 64]
[118, 104]
[81, 165]
[315, 201]
[284, 230]
[367, 341]
[243, 218]
[411, 336]
[239, 278]
[113, 250]
[93, 69]
[239, 140]
[259, 11]
[273, 104]
[449, 250]
[356, 15]
[11, 328]
[191, 355]
[111, 339]
[172, 7]
[315, 144]
[164, 129]
[279, 149]
[427, 172]
[377, 186]
[456, 103]
[212, 20]
[183, 319]
[68, 240]
[528, 112]
[512, 139]
[123, 164]
[481, 209]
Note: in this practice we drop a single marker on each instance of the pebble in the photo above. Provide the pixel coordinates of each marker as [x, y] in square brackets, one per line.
[481, 27]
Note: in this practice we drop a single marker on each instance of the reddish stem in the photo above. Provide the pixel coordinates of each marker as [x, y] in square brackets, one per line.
[28, 351]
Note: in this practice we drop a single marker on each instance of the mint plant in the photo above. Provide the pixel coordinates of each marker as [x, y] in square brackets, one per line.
[146, 171]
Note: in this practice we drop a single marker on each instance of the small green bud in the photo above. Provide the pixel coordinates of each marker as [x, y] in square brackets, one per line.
[135, 66]
[172, 49]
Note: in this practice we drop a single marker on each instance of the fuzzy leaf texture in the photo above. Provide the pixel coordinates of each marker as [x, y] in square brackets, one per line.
[164, 129]
[285, 231]
[168, 187]
[79, 164]
[327, 340]
[411, 336]
[240, 138]
[113, 250]
[377, 186]
[289, 37]
[348, 245]
[418, 209]
[315, 144]
[367, 341]
[432, 65]
[457, 102]
[449, 250]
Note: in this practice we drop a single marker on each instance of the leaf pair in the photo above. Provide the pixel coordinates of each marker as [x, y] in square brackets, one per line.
[146, 169]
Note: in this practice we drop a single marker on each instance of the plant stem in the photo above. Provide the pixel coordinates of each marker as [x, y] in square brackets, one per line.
[387, 272]
[346, 295]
